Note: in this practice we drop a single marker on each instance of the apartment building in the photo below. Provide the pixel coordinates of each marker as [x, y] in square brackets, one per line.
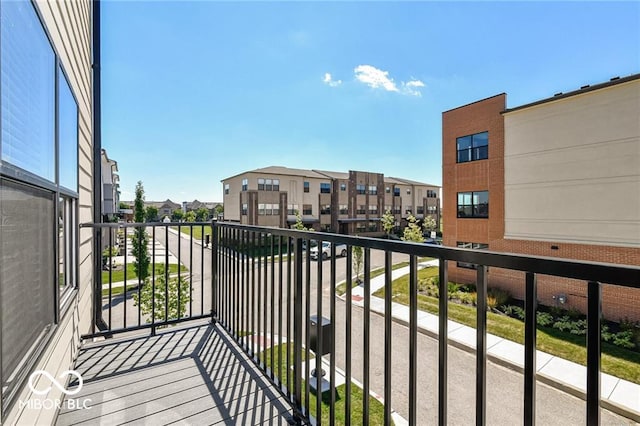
[342, 202]
[47, 188]
[559, 177]
[110, 186]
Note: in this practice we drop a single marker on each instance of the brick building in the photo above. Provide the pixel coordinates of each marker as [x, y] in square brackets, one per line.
[559, 177]
[347, 203]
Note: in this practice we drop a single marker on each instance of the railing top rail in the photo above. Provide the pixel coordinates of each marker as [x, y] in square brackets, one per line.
[624, 275]
[139, 224]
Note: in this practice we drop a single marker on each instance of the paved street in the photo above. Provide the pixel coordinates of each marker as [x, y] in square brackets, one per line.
[504, 398]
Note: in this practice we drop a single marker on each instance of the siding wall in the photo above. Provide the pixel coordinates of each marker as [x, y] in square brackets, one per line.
[69, 27]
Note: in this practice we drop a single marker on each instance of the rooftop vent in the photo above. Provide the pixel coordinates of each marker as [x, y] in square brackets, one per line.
[615, 78]
[557, 94]
[584, 87]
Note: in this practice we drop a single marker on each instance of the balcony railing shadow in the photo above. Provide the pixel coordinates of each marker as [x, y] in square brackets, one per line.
[194, 375]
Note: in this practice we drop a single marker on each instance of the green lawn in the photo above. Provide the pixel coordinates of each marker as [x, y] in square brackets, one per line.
[376, 409]
[616, 361]
[197, 231]
[118, 275]
[342, 288]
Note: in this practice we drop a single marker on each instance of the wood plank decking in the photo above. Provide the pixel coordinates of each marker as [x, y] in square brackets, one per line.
[194, 375]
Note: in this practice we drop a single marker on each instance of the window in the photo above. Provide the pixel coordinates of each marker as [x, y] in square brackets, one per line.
[473, 147]
[387, 190]
[325, 209]
[373, 190]
[27, 92]
[432, 209]
[408, 191]
[409, 210]
[420, 210]
[226, 189]
[262, 209]
[396, 192]
[476, 246]
[67, 245]
[361, 209]
[473, 204]
[307, 209]
[397, 209]
[306, 186]
[275, 209]
[244, 209]
[344, 209]
[292, 209]
[325, 188]
[276, 184]
[67, 135]
[260, 184]
[431, 194]
[373, 226]
[343, 187]
[373, 209]
[245, 184]
[361, 227]
[268, 185]
[361, 189]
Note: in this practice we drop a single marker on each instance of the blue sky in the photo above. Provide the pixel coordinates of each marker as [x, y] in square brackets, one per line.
[194, 92]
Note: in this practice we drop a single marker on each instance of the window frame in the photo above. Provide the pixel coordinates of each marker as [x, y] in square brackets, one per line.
[325, 188]
[472, 246]
[473, 208]
[473, 151]
[306, 186]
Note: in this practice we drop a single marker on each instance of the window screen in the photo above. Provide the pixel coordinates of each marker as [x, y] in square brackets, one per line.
[27, 88]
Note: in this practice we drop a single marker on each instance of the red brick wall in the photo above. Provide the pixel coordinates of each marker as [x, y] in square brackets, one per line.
[485, 115]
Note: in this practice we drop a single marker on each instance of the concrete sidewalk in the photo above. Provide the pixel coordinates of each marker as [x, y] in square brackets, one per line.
[618, 395]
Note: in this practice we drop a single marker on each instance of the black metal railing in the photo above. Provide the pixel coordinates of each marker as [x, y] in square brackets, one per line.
[177, 287]
[262, 287]
[263, 274]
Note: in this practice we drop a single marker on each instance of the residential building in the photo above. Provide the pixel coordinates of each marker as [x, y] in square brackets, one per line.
[343, 202]
[558, 177]
[47, 178]
[110, 186]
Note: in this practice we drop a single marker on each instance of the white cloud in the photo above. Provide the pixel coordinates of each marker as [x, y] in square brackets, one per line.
[379, 79]
[412, 87]
[330, 81]
[375, 78]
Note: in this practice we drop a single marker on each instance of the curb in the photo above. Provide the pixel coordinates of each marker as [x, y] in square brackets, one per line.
[540, 377]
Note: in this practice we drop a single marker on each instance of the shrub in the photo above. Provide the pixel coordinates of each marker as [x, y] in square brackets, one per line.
[148, 300]
[624, 339]
[500, 297]
[544, 319]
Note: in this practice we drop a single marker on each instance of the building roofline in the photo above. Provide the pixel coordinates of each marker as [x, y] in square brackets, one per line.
[411, 182]
[475, 102]
[584, 89]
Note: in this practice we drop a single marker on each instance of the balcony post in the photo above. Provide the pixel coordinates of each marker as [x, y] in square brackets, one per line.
[594, 314]
[297, 328]
[214, 272]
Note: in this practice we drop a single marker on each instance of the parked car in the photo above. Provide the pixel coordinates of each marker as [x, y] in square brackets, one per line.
[341, 250]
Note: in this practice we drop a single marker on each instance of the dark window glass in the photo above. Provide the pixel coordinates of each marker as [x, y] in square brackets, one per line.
[473, 204]
[306, 186]
[396, 192]
[325, 209]
[476, 246]
[260, 184]
[27, 87]
[343, 187]
[361, 189]
[276, 184]
[473, 147]
[306, 209]
[325, 188]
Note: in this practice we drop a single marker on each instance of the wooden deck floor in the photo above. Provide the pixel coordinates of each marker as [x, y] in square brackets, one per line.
[194, 375]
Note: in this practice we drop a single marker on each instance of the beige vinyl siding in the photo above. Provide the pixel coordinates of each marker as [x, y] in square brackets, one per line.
[68, 24]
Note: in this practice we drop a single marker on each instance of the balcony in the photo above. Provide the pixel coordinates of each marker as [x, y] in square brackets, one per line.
[238, 345]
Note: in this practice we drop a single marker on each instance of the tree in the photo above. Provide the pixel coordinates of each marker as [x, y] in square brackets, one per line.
[299, 225]
[140, 238]
[178, 289]
[219, 209]
[190, 217]
[202, 214]
[124, 206]
[357, 261]
[151, 214]
[429, 224]
[177, 215]
[388, 222]
[412, 232]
